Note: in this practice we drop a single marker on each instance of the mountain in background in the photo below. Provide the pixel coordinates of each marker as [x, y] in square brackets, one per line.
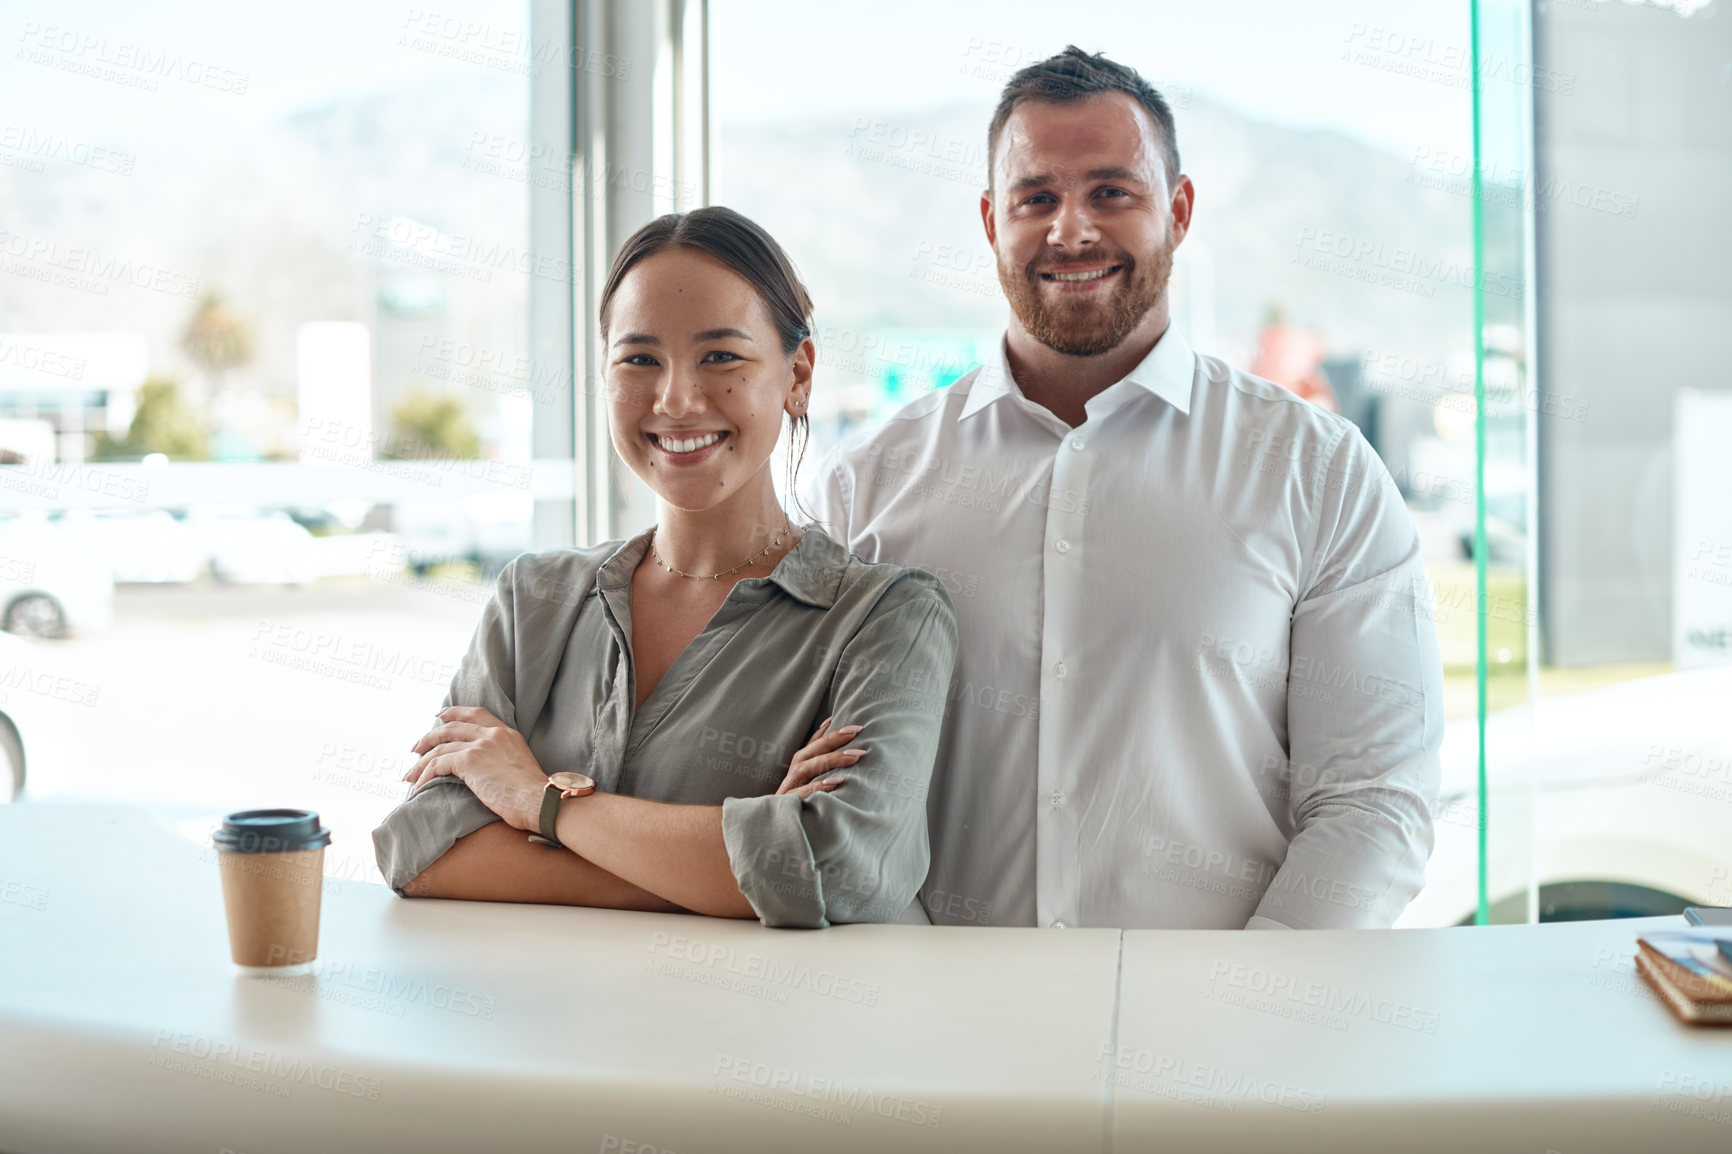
[879, 212]
[271, 222]
[874, 209]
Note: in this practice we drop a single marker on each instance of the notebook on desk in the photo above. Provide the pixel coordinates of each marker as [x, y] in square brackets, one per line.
[1691, 970]
[1708, 915]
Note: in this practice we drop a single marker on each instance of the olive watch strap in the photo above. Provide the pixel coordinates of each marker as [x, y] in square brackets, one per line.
[550, 799]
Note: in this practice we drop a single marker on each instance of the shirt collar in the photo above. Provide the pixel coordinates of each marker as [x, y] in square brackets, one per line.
[1167, 372]
[811, 572]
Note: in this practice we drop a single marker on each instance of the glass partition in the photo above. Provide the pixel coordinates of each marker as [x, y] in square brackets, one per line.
[1332, 250]
[1619, 738]
[266, 392]
[1503, 416]
[1488, 233]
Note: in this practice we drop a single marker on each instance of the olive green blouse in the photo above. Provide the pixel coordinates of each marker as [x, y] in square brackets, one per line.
[824, 634]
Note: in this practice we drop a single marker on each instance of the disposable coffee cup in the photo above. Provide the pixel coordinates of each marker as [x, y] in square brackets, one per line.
[273, 871]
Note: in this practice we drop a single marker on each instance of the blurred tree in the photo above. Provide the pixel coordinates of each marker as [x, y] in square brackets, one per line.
[216, 339]
[427, 425]
[163, 423]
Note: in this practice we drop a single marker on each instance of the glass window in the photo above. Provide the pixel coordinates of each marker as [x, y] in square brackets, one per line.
[1332, 248]
[277, 400]
[1607, 753]
[1519, 299]
[266, 392]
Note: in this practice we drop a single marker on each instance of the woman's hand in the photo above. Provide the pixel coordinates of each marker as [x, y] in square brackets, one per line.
[819, 756]
[488, 756]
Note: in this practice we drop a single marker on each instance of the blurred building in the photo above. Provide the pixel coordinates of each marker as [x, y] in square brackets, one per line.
[57, 388]
[1634, 248]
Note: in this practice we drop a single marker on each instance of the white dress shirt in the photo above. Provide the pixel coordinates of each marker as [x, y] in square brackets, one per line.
[1199, 682]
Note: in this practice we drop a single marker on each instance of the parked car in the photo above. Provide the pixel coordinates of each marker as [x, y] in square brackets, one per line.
[51, 585]
[485, 529]
[11, 759]
[433, 533]
[1629, 810]
[253, 546]
[37, 703]
[138, 545]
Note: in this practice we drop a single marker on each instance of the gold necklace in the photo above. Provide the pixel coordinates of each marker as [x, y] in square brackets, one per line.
[747, 563]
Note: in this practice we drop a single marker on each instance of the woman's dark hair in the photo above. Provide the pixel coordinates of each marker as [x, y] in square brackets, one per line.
[743, 246]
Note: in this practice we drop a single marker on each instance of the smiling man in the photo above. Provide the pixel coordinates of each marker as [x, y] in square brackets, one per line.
[1198, 683]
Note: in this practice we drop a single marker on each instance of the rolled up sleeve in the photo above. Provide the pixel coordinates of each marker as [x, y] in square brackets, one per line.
[1364, 710]
[430, 820]
[859, 852]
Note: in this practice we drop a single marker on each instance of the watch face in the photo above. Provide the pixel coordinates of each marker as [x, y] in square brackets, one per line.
[572, 784]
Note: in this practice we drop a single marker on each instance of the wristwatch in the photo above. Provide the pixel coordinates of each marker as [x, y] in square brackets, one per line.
[559, 787]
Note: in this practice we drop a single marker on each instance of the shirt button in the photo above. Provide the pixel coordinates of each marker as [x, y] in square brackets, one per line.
[1058, 925]
[1076, 443]
[1062, 545]
[1056, 798]
[1060, 669]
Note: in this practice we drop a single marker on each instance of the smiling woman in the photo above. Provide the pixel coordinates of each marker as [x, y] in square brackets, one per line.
[680, 672]
[683, 266]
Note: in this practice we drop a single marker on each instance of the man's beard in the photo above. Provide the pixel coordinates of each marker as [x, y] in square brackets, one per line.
[1087, 328]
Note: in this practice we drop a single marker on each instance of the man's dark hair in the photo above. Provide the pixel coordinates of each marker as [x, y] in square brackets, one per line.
[1074, 75]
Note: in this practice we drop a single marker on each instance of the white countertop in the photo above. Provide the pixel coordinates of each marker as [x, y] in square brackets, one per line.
[433, 1025]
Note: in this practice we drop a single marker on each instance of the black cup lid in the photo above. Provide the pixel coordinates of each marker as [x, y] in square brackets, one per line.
[270, 831]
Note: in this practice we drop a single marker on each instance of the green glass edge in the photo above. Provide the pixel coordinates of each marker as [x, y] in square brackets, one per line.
[1482, 912]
